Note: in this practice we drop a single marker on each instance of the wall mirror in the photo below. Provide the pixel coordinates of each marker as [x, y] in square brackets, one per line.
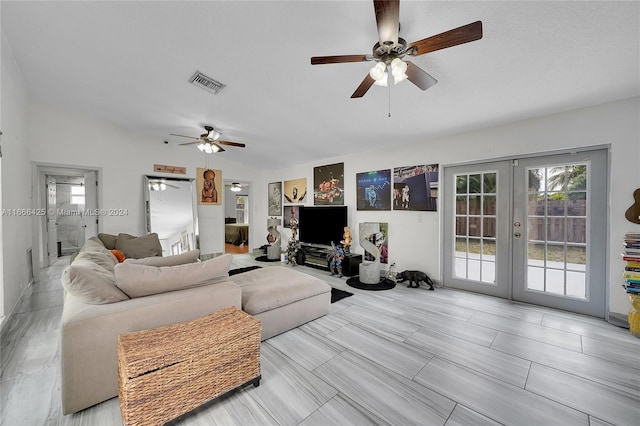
[170, 205]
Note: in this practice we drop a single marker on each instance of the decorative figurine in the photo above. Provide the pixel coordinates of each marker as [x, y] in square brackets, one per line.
[293, 224]
[415, 277]
[335, 258]
[346, 243]
[292, 252]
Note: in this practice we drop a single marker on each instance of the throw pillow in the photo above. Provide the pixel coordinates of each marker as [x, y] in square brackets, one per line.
[138, 280]
[119, 255]
[178, 259]
[139, 247]
[108, 240]
[91, 283]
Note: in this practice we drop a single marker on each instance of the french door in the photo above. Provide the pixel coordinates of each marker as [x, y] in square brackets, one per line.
[531, 230]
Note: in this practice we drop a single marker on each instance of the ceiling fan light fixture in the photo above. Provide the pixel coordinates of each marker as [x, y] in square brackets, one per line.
[214, 135]
[379, 72]
[398, 70]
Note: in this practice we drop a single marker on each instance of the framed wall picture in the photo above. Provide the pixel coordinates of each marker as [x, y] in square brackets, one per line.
[373, 190]
[274, 194]
[291, 216]
[328, 185]
[295, 191]
[415, 188]
[207, 183]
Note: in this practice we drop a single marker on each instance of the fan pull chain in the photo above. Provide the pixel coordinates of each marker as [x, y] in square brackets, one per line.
[389, 100]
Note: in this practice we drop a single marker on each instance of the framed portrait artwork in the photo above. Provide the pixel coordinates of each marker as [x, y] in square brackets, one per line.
[295, 191]
[274, 194]
[208, 182]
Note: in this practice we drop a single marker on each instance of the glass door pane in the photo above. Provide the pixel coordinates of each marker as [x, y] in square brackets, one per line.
[475, 210]
[561, 202]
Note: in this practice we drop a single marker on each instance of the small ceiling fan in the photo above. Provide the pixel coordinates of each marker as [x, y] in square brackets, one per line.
[160, 185]
[236, 186]
[390, 50]
[210, 142]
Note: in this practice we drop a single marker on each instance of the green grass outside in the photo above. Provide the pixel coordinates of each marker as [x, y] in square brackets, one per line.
[536, 251]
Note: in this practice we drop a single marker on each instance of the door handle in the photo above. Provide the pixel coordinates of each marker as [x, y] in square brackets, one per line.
[517, 234]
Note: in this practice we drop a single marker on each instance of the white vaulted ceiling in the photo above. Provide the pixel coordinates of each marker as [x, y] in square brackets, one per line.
[129, 63]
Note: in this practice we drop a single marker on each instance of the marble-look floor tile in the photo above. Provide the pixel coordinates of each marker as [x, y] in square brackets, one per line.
[502, 308]
[342, 411]
[502, 402]
[592, 327]
[473, 333]
[380, 323]
[31, 323]
[621, 352]
[531, 331]
[505, 367]
[397, 357]
[393, 398]
[29, 354]
[234, 409]
[386, 305]
[287, 391]
[445, 310]
[104, 414]
[324, 325]
[602, 371]
[27, 399]
[463, 416]
[603, 402]
[305, 348]
[40, 300]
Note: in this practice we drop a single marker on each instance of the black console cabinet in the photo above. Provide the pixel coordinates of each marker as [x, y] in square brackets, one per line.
[316, 257]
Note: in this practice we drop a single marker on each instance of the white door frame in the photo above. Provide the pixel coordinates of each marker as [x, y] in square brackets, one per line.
[604, 187]
[39, 239]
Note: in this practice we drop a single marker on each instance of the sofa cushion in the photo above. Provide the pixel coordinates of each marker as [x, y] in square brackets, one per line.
[138, 280]
[108, 240]
[276, 286]
[102, 258]
[178, 259]
[91, 283]
[139, 247]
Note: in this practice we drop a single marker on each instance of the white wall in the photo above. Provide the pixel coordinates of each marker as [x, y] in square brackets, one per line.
[414, 240]
[16, 180]
[414, 237]
[123, 158]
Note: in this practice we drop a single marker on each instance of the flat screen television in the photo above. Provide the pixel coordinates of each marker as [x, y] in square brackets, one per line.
[321, 225]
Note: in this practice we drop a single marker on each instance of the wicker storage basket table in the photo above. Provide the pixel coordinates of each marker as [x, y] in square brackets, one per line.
[168, 371]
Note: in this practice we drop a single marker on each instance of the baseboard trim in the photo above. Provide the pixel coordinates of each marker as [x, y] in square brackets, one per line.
[620, 320]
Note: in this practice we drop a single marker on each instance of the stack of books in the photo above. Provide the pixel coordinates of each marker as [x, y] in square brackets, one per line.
[631, 255]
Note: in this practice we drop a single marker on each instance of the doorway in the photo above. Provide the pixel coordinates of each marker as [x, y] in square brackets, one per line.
[531, 230]
[237, 218]
[70, 201]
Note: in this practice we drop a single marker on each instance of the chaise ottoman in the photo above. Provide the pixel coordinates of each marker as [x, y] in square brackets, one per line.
[282, 298]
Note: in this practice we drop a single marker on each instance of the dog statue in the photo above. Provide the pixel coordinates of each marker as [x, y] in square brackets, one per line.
[414, 277]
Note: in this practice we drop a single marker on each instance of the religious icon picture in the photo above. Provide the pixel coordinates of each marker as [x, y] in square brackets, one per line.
[207, 183]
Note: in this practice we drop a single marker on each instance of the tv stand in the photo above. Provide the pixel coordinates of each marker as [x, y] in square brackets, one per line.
[316, 257]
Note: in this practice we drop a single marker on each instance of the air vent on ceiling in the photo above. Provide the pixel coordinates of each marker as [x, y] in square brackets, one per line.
[206, 83]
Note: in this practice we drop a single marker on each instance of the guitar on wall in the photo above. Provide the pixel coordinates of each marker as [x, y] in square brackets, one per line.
[633, 213]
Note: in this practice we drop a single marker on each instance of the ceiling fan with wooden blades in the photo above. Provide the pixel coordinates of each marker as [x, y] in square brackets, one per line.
[209, 142]
[390, 50]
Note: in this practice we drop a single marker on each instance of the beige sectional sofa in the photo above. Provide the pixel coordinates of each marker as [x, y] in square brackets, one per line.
[104, 299]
